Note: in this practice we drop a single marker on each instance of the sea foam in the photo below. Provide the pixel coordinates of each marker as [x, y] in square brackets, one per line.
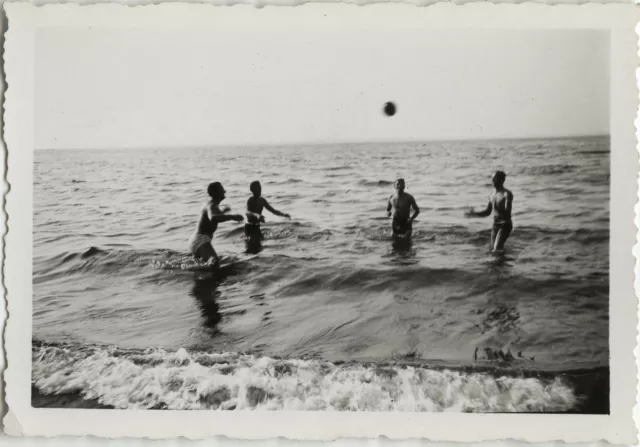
[181, 380]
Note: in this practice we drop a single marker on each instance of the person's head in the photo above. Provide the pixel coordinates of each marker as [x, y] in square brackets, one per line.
[216, 191]
[256, 188]
[399, 185]
[498, 179]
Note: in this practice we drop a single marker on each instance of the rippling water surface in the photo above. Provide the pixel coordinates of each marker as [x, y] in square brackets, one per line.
[330, 314]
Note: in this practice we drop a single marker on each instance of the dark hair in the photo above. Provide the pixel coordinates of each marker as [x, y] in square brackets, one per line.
[254, 184]
[399, 180]
[501, 176]
[213, 188]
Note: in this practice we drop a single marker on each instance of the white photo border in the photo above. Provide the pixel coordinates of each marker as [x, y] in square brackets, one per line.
[617, 427]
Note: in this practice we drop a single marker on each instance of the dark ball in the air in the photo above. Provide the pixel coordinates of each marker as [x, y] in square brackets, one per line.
[390, 109]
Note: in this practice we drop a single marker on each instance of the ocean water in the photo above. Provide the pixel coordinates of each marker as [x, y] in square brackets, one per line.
[330, 314]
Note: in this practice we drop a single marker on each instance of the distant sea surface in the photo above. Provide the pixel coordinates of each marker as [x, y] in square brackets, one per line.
[331, 314]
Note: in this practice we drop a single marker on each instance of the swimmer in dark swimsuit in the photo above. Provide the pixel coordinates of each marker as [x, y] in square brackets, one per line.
[255, 205]
[500, 202]
[401, 203]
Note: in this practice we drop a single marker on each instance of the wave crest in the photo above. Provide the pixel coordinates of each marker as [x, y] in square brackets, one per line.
[180, 380]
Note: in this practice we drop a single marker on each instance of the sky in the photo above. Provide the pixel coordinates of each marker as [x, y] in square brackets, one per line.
[133, 88]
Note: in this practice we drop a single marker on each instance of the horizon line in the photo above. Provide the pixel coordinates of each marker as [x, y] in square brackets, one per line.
[331, 143]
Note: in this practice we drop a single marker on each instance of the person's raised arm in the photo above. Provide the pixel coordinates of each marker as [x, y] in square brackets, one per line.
[215, 215]
[416, 209]
[275, 211]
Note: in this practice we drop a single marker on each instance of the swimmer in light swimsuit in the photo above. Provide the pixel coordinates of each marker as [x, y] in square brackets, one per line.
[401, 203]
[210, 216]
[500, 202]
[255, 205]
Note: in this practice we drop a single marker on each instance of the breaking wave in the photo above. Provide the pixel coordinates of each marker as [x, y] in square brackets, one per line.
[183, 380]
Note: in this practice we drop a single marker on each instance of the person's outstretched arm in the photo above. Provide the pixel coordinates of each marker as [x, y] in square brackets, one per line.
[275, 211]
[215, 215]
[486, 212]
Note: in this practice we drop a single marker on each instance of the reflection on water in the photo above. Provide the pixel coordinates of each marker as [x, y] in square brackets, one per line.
[205, 291]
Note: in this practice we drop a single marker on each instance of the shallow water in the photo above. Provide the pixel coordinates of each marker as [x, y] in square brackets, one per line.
[112, 277]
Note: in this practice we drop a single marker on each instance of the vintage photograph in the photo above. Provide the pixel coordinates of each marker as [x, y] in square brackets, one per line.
[314, 223]
[179, 272]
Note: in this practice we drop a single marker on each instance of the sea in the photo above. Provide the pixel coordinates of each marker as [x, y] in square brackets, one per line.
[329, 313]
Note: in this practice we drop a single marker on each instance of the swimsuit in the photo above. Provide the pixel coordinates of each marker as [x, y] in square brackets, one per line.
[196, 241]
[400, 225]
[252, 230]
[502, 224]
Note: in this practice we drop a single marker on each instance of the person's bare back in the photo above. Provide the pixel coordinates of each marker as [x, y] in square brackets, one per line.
[401, 204]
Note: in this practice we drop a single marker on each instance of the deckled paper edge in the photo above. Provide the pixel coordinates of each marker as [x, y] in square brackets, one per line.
[11, 420]
[3, 227]
[261, 3]
[636, 248]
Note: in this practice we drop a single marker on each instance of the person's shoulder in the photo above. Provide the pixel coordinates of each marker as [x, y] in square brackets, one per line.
[409, 198]
[509, 193]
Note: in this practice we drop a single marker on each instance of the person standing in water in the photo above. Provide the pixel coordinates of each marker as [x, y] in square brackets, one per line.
[401, 203]
[255, 205]
[210, 216]
[500, 202]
